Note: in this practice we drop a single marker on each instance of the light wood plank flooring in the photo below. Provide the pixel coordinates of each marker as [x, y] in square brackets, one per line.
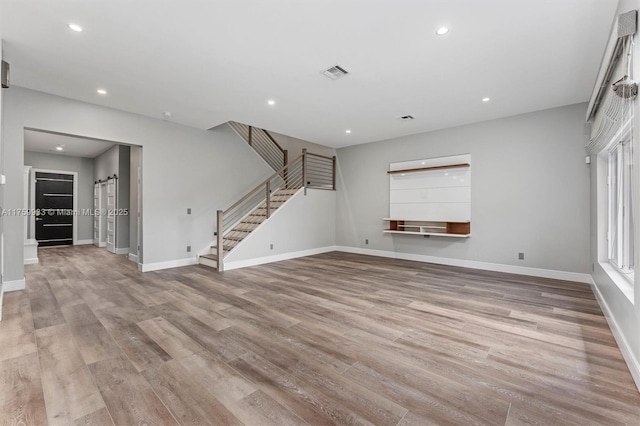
[329, 339]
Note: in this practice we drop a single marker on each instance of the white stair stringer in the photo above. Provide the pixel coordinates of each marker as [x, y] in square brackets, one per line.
[247, 225]
[304, 225]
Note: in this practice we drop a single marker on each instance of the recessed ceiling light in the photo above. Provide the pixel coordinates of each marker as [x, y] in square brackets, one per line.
[486, 99]
[75, 27]
[347, 131]
[442, 31]
[59, 148]
[101, 91]
[271, 102]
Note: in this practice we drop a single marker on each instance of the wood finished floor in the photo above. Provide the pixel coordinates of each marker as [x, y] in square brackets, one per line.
[329, 339]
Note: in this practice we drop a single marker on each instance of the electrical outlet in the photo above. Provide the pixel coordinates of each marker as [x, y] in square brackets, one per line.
[188, 249]
[366, 241]
[521, 256]
[271, 247]
[189, 211]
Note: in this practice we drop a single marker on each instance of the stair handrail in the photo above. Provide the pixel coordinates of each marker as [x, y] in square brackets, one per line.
[268, 148]
[292, 176]
[261, 185]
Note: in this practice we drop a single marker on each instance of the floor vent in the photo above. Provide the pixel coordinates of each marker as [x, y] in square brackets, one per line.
[335, 72]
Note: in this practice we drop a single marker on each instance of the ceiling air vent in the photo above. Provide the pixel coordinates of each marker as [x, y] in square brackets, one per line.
[335, 72]
[406, 118]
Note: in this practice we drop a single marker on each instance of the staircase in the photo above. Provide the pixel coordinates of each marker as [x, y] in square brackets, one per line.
[262, 143]
[247, 214]
[247, 225]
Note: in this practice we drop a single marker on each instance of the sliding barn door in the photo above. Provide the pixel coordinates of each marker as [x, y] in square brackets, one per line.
[96, 214]
[111, 216]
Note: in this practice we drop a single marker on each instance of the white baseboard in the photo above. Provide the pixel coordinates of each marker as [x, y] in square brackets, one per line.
[30, 252]
[102, 245]
[83, 242]
[275, 258]
[122, 250]
[485, 266]
[147, 267]
[627, 353]
[133, 257]
[14, 285]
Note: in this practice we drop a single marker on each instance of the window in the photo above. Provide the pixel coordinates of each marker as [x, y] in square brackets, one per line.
[620, 235]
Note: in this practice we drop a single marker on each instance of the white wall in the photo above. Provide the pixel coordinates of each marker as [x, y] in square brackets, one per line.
[304, 225]
[84, 168]
[623, 314]
[182, 167]
[530, 191]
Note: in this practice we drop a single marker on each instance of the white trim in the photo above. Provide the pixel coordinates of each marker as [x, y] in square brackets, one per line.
[75, 197]
[133, 257]
[124, 250]
[16, 285]
[486, 266]
[276, 258]
[102, 244]
[627, 353]
[30, 255]
[146, 267]
[83, 242]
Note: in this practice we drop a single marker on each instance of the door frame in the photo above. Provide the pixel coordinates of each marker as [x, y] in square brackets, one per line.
[75, 199]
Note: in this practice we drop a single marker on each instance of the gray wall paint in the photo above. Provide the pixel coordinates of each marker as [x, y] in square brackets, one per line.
[122, 226]
[84, 168]
[530, 191]
[135, 156]
[182, 167]
[106, 164]
[295, 146]
[624, 314]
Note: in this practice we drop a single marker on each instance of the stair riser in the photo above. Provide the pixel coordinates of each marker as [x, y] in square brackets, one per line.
[208, 262]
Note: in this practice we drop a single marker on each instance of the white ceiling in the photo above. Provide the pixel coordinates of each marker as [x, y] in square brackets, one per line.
[210, 61]
[37, 141]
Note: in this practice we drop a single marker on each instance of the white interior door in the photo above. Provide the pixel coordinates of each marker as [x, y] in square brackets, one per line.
[96, 214]
[111, 217]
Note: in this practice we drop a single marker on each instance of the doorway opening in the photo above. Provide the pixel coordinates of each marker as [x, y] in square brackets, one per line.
[105, 205]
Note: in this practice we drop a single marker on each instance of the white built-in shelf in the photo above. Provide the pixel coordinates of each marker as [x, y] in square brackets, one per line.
[424, 227]
[424, 169]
